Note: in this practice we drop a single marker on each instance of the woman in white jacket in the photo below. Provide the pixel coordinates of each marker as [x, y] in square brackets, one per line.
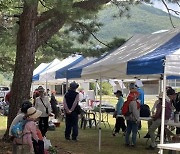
[42, 104]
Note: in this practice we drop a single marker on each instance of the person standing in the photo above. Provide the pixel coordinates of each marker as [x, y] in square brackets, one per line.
[42, 104]
[54, 104]
[133, 118]
[120, 123]
[70, 103]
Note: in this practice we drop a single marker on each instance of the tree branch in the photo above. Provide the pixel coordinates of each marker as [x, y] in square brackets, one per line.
[90, 4]
[46, 16]
[84, 26]
[168, 12]
[43, 4]
[50, 29]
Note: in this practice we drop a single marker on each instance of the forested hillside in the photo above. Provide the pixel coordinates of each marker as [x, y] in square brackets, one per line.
[143, 19]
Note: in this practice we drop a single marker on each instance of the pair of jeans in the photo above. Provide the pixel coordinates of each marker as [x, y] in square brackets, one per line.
[120, 123]
[132, 126]
[71, 125]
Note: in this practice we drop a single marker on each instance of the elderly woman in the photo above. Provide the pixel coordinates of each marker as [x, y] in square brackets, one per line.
[42, 104]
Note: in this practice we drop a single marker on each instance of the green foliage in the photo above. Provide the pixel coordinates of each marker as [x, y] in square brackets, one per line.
[52, 150]
[106, 88]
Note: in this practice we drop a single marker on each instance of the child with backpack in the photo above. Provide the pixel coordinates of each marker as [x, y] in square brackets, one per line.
[30, 136]
[20, 116]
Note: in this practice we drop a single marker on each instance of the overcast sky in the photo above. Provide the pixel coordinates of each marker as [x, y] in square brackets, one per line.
[160, 5]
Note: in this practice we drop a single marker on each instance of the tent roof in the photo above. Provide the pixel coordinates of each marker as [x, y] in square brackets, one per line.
[74, 71]
[49, 74]
[143, 47]
[44, 67]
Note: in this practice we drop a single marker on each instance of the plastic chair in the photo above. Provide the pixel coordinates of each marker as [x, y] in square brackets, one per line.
[87, 117]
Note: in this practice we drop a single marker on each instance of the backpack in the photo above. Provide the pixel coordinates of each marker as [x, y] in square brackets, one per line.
[125, 108]
[130, 98]
[144, 111]
[17, 129]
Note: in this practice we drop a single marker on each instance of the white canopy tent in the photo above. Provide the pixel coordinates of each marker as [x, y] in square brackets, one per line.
[146, 55]
[149, 47]
[172, 67]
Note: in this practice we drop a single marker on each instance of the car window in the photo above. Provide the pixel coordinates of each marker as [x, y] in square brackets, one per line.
[4, 89]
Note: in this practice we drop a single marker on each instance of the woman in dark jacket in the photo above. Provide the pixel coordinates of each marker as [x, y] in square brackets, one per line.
[54, 104]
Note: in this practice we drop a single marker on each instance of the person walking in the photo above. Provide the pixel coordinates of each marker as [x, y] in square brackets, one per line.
[42, 104]
[120, 123]
[70, 103]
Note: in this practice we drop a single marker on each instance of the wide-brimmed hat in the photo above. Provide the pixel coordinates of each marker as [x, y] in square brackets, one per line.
[33, 113]
[40, 89]
[74, 85]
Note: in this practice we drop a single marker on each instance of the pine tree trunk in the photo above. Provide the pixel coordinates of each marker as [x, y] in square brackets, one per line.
[25, 55]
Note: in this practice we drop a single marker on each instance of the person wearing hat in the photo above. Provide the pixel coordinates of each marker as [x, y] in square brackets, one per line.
[120, 123]
[42, 104]
[21, 114]
[132, 119]
[156, 120]
[175, 101]
[30, 132]
[70, 103]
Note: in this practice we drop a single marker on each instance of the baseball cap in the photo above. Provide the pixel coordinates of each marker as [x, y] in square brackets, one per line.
[132, 86]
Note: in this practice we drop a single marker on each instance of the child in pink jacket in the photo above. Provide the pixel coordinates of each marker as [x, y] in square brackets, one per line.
[30, 133]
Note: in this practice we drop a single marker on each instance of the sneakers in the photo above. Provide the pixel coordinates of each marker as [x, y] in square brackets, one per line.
[147, 136]
[150, 148]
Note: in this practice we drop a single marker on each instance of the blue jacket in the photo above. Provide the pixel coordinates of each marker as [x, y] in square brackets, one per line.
[141, 95]
[119, 105]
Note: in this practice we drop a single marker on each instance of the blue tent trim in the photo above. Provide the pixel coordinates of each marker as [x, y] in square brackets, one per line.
[76, 72]
[153, 63]
[36, 77]
[61, 73]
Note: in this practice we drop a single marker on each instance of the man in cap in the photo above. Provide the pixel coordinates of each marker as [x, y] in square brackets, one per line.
[70, 102]
[175, 101]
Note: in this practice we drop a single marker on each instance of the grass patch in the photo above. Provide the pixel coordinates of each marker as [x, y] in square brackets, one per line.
[88, 138]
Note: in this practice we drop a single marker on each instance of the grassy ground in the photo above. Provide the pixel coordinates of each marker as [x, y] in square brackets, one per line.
[88, 139]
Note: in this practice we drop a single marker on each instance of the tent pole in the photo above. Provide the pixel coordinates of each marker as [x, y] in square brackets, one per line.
[66, 84]
[163, 113]
[122, 87]
[96, 90]
[100, 114]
